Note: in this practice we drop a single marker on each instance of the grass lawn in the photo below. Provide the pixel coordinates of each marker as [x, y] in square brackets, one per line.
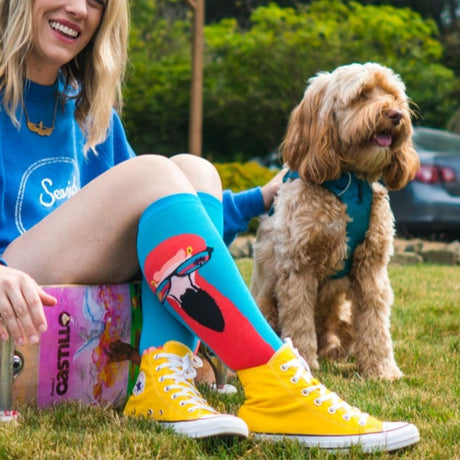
[426, 334]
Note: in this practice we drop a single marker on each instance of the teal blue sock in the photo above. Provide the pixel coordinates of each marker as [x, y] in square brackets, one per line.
[188, 267]
[214, 210]
[160, 326]
[154, 313]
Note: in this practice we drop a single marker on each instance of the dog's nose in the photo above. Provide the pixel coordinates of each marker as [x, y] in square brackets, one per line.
[395, 116]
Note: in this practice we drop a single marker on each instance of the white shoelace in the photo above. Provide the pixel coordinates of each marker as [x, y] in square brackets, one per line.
[183, 372]
[303, 372]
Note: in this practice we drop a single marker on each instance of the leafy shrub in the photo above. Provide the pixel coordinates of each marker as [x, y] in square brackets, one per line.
[242, 176]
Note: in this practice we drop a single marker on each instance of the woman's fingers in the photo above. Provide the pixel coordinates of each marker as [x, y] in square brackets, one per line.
[47, 299]
[8, 312]
[33, 319]
[21, 307]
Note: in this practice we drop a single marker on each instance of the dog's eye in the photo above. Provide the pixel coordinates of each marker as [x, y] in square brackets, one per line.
[363, 96]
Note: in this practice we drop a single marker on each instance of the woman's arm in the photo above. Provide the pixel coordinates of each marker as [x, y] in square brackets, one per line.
[240, 208]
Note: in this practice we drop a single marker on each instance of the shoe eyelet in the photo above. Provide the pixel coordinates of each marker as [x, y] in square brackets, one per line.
[331, 411]
[160, 379]
[150, 412]
[283, 368]
[346, 417]
[166, 389]
[317, 402]
[305, 392]
[157, 369]
[182, 404]
[294, 380]
[174, 396]
[161, 412]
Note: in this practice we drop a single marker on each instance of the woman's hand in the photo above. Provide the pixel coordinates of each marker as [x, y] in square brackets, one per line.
[21, 306]
[270, 189]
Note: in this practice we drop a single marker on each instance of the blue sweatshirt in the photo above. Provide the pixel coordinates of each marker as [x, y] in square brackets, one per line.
[239, 209]
[38, 173]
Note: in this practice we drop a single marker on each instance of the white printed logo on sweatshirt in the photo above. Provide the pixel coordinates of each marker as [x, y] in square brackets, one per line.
[51, 195]
[44, 186]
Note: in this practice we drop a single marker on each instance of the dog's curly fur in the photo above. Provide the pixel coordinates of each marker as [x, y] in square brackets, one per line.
[340, 125]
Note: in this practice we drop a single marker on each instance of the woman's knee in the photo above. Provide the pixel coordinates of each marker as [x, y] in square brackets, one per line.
[157, 171]
[200, 172]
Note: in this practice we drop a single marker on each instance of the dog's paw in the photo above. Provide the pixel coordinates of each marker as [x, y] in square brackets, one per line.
[389, 373]
[313, 364]
[312, 360]
[335, 353]
[309, 356]
[330, 346]
[306, 348]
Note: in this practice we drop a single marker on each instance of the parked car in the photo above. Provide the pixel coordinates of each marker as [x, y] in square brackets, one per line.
[429, 206]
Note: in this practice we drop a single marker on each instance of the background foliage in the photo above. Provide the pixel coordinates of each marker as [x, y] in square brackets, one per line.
[257, 64]
[243, 176]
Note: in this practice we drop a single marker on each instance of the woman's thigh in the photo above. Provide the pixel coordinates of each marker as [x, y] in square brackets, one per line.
[91, 238]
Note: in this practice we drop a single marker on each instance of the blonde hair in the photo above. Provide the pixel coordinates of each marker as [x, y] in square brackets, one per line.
[97, 72]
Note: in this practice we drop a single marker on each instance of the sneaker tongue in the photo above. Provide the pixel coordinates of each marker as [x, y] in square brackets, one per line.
[176, 348]
[383, 140]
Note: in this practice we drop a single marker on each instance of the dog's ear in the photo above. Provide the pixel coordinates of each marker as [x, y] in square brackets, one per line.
[404, 164]
[310, 144]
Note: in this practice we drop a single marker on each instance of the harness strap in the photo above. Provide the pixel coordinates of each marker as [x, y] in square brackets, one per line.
[357, 195]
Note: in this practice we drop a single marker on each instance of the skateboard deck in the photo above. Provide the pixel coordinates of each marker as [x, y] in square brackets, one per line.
[88, 352]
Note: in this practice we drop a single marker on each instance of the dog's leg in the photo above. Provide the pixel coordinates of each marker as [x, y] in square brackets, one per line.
[333, 320]
[297, 294]
[269, 309]
[372, 295]
[262, 291]
[371, 323]
[263, 277]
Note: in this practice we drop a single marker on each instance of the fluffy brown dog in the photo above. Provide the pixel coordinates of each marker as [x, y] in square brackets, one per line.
[352, 128]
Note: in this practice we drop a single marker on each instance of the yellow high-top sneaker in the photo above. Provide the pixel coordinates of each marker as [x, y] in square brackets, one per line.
[165, 391]
[283, 400]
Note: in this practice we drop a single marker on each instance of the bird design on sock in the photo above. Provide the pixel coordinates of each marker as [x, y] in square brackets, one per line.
[178, 280]
[172, 270]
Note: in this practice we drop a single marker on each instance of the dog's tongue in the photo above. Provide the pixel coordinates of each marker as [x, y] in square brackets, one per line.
[383, 140]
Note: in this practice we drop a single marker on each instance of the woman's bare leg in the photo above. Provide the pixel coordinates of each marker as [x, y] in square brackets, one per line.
[91, 238]
[201, 174]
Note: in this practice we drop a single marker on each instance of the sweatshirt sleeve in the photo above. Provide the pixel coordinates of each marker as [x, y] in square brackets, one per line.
[239, 209]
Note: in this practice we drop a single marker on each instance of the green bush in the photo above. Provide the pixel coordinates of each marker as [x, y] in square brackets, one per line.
[242, 176]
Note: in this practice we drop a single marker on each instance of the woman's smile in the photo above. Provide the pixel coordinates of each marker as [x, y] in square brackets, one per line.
[65, 30]
[61, 30]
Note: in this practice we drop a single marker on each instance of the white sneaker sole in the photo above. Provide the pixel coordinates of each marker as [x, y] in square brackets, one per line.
[211, 426]
[8, 416]
[396, 435]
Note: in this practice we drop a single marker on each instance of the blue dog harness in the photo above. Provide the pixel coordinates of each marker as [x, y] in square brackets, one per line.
[356, 194]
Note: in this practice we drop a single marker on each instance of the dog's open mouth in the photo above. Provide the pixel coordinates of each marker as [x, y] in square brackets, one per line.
[384, 138]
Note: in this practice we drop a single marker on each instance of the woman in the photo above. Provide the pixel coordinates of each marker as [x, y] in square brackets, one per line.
[78, 207]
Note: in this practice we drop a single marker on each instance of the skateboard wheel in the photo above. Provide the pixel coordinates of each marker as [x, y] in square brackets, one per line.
[18, 363]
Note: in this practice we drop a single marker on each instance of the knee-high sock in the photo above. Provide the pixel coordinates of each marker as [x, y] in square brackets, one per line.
[159, 325]
[214, 210]
[191, 272]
